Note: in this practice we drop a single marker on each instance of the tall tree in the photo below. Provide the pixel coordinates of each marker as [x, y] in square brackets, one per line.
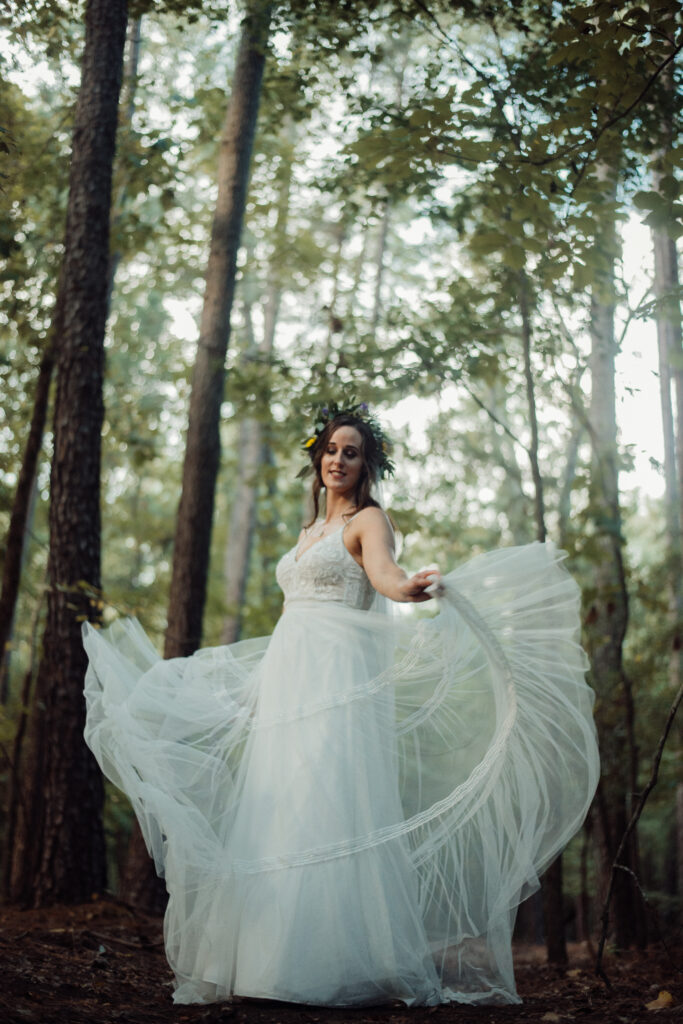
[670, 352]
[192, 544]
[669, 335]
[608, 611]
[553, 916]
[202, 453]
[16, 534]
[59, 850]
[253, 452]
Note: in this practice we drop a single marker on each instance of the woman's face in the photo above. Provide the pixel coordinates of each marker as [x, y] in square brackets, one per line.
[342, 461]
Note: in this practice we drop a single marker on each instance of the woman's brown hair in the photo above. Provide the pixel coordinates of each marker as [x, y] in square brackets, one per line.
[371, 454]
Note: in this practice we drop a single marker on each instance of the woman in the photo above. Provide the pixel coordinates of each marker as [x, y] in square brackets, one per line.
[350, 811]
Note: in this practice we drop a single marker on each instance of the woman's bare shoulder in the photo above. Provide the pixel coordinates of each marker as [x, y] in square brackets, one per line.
[372, 517]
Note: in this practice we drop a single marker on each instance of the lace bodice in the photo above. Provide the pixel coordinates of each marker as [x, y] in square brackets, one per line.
[325, 571]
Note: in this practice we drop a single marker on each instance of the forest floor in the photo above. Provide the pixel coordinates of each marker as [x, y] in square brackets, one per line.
[103, 963]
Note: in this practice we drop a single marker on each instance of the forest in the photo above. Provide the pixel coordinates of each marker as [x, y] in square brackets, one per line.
[214, 215]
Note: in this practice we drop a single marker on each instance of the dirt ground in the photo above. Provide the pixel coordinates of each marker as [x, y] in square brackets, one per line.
[104, 963]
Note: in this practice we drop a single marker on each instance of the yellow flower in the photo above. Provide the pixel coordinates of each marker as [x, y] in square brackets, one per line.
[311, 441]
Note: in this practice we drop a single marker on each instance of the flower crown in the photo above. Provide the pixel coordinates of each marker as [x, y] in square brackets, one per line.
[324, 414]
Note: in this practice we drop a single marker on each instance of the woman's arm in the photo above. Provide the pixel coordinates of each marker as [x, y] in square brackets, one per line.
[371, 542]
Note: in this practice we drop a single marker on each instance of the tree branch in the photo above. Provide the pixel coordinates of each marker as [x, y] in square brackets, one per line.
[491, 414]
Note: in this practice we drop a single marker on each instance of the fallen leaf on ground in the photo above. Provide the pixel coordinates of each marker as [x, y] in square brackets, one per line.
[663, 1000]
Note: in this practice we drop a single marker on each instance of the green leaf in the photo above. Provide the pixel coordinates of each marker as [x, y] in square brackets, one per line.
[515, 257]
[418, 118]
[485, 242]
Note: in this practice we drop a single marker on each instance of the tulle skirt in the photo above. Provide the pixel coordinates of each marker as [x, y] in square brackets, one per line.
[350, 810]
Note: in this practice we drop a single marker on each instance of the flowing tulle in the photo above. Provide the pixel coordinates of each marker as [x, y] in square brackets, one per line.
[351, 810]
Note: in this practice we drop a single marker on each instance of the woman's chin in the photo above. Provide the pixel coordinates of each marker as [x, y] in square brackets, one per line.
[339, 486]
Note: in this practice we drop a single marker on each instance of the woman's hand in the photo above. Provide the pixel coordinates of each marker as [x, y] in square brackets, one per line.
[415, 588]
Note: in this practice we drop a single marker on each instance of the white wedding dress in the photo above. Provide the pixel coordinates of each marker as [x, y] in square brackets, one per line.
[350, 811]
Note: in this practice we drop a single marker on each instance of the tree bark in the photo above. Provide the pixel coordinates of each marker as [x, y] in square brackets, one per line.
[607, 616]
[539, 504]
[564, 503]
[127, 109]
[242, 523]
[670, 352]
[139, 884]
[202, 453]
[16, 535]
[59, 854]
[669, 343]
[192, 543]
[553, 898]
[679, 847]
[253, 451]
[553, 913]
[15, 792]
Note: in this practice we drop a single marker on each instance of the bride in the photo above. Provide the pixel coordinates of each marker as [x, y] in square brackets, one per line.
[350, 811]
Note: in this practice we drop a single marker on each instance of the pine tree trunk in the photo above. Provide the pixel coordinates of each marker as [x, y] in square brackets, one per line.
[679, 848]
[564, 504]
[670, 351]
[16, 535]
[202, 452]
[139, 884]
[59, 853]
[510, 496]
[15, 792]
[670, 348]
[539, 504]
[253, 452]
[192, 543]
[127, 109]
[242, 523]
[607, 617]
[551, 883]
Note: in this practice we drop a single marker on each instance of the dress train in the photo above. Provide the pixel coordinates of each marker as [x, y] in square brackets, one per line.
[351, 810]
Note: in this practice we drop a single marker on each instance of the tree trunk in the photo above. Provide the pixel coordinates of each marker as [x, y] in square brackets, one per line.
[128, 90]
[242, 522]
[539, 504]
[551, 883]
[59, 853]
[669, 345]
[16, 535]
[192, 543]
[15, 792]
[679, 848]
[564, 504]
[670, 352]
[253, 452]
[607, 616]
[139, 884]
[202, 452]
[583, 928]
